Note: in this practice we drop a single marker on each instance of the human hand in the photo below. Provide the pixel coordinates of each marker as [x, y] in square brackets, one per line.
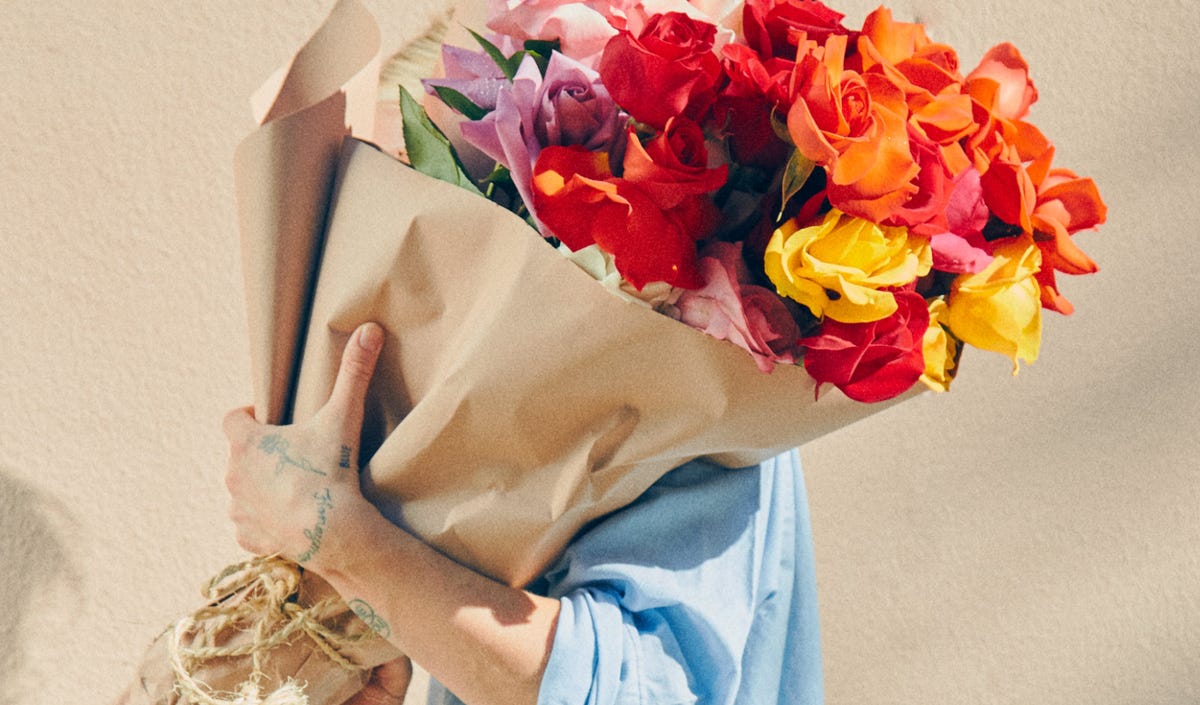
[289, 484]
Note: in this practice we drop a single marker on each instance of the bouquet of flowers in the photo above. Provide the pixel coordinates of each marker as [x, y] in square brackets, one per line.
[843, 205]
[842, 198]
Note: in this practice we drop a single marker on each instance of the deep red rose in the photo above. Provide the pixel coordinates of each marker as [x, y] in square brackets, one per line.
[772, 26]
[668, 69]
[672, 169]
[871, 361]
[743, 107]
[580, 202]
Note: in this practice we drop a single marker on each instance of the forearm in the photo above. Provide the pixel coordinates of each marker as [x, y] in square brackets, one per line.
[487, 642]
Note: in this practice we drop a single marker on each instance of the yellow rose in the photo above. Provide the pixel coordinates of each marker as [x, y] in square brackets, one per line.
[941, 349]
[1000, 308]
[837, 267]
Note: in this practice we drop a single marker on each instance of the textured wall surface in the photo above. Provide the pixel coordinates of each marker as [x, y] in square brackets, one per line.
[1027, 540]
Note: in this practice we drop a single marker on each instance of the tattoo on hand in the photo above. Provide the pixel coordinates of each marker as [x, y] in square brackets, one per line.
[315, 534]
[275, 444]
[344, 461]
[367, 614]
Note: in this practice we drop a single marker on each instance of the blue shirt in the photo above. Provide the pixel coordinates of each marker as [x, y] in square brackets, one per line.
[701, 591]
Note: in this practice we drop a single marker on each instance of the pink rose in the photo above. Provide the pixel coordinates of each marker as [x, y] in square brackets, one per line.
[582, 28]
[961, 247]
[728, 308]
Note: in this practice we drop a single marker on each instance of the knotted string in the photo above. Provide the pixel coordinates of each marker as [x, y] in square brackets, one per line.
[256, 596]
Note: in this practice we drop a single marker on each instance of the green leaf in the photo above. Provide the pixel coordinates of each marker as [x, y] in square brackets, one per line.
[500, 175]
[779, 126]
[542, 46]
[508, 64]
[429, 150]
[795, 175]
[541, 50]
[460, 102]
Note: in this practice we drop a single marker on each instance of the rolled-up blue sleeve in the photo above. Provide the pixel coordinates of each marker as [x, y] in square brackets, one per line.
[599, 649]
[702, 591]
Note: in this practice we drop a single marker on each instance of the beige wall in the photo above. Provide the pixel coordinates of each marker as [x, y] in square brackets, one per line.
[1028, 540]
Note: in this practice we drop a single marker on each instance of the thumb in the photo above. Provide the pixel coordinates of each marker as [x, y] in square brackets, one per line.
[353, 377]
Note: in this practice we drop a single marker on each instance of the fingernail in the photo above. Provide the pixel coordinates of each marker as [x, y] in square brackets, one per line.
[370, 337]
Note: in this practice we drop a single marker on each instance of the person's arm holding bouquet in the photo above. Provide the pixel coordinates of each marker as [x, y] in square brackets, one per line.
[701, 590]
[295, 492]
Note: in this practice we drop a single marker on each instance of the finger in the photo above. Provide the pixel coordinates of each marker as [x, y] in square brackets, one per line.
[394, 676]
[354, 376]
[388, 684]
[239, 425]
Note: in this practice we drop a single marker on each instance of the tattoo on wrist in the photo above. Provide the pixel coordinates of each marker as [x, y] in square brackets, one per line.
[344, 460]
[275, 444]
[367, 614]
[315, 534]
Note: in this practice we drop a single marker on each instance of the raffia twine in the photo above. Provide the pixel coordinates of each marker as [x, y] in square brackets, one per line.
[258, 596]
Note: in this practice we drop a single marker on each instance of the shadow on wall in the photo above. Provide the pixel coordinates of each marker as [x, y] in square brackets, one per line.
[33, 557]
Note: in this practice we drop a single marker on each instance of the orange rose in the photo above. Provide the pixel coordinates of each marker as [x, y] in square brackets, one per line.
[1066, 204]
[1004, 144]
[928, 75]
[1004, 67]
[856, 127]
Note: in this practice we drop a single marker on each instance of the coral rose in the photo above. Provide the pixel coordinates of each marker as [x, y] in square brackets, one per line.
[1066, 204]
[673, 166]
[580, 202]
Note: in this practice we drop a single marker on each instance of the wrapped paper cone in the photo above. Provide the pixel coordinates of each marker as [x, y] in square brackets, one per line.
[516, 400]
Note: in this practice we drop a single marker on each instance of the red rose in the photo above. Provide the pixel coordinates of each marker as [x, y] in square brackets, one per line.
[668, 69]
[743, 107]
[580, 202]
[871, 361]
[672, 169]
[771, 27]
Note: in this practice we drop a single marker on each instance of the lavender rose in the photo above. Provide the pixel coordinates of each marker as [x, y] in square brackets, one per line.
[567, 107]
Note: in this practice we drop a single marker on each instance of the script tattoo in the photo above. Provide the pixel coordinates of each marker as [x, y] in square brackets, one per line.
[367, 614]
[344, 460]
[315, 534]
[274, 444]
